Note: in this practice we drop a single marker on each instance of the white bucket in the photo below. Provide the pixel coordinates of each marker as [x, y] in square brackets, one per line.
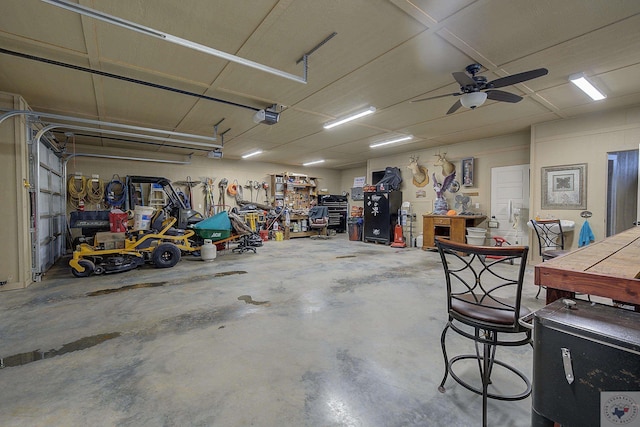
[476, 241]
[208, 251]
[476, 232]
[477, 229]
[142, 217]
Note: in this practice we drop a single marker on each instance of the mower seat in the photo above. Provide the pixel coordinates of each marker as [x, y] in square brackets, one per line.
[157, 221]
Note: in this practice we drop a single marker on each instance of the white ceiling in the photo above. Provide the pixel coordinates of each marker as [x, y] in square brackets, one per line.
[385, 54]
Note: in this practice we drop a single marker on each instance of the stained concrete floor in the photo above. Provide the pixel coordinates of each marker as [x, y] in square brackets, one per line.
[303, 333]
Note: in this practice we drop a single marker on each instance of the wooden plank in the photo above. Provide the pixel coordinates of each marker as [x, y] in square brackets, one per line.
[619, 289]
[609, 269]
[589, 257]
[623, 263]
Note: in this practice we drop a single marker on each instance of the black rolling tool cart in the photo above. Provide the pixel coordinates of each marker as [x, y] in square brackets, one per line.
[338, 206]
[586, 365]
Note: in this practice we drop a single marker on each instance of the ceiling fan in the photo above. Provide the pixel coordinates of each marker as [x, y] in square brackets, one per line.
[474, 90]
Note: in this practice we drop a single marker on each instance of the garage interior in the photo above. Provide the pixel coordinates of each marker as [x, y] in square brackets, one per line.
[348, 331]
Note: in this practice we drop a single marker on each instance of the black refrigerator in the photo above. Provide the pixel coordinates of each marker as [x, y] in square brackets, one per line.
[381, 215]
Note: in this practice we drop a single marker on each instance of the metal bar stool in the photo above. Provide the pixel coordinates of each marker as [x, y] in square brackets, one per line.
[550, 240]
[484, 305]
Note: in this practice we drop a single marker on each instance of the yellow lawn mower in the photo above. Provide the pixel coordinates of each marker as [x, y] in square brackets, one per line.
[162, 246]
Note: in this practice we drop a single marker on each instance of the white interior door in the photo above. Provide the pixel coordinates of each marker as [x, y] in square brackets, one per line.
[510, 203]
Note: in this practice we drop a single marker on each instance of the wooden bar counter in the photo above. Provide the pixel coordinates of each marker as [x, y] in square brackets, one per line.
[609, 268]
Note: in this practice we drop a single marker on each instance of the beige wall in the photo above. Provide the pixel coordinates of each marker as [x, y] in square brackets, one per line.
[587, 139]
[199, 168]
[15, 262]
[505, 150]
[346, 182]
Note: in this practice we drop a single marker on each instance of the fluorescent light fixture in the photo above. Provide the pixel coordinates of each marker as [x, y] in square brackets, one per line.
[581, 81]
[315, 162]
[392, 141]
[96, 14]
[253, 153]
[473, 99]
[350, 117]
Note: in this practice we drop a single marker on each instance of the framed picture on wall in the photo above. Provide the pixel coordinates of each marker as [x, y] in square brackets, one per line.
[467, 172]
[564, 187]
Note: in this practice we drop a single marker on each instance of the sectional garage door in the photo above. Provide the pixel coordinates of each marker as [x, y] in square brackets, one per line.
[47, 208]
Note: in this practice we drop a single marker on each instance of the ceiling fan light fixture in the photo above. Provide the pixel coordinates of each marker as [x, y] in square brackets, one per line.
[350, 117]
[391, 141]
[586, 86]
[473, 99]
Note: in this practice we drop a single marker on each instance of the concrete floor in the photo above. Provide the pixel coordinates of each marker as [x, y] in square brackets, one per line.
[303, 333]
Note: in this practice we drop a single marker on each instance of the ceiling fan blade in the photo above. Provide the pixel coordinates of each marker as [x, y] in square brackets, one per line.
[455, 107]
[500, 95]
[463, 79]
[436, 97]
[518, 78]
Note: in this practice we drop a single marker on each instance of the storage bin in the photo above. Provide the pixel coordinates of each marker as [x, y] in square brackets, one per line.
[354, 226]
[477, 229]
[476, 232]
[476, 241]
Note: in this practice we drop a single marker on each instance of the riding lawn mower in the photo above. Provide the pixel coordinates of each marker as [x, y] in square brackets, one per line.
[162, 245]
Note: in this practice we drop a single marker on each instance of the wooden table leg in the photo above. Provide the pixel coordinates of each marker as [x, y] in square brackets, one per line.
[556, 294]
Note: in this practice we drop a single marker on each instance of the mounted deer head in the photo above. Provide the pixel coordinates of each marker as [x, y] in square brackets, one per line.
[447, 167]
[420, 177]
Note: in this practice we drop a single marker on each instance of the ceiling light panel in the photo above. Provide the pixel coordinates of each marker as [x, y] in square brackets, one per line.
[586, 86]
[342, 120]
[392, 141]
[251, 154]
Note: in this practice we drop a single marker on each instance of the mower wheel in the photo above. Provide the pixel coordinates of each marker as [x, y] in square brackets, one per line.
[166, 255]
[89, 268]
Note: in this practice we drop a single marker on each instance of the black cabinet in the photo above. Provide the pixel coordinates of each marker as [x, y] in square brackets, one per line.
[381, 215]
[586, 365]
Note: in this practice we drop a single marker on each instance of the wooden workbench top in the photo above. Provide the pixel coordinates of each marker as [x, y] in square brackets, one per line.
[618, 256]
[609, 268]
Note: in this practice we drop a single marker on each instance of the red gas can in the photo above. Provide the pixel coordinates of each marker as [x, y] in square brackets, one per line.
[118, 221]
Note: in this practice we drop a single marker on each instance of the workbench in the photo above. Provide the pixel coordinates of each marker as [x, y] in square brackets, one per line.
[303, 231]
[609, 268]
